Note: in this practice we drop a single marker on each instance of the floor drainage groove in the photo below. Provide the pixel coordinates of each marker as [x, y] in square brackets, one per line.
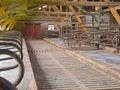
[64, 72]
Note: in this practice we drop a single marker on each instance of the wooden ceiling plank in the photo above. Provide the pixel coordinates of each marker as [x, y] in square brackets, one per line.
[51, 13]
[81, 3]
[37, 17]
[63, 2]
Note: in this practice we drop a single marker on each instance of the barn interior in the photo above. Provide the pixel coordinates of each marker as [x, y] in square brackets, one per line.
[59, 44]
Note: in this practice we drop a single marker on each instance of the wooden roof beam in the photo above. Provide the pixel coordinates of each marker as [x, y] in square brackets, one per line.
[114, 13]
[55, 24]
[56, 9]
[12, 6]
[50, 12]
[77, 17]
[61, 2]
[38, 17]
[81, 3]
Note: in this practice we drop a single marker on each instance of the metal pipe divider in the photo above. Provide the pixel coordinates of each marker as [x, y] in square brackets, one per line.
[95, 38]
[11, 50]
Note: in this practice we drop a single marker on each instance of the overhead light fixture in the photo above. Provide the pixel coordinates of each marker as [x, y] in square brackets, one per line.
[39, 8]
[45, 6]
[97, 8]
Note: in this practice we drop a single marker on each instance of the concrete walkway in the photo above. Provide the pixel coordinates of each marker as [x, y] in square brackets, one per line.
[103, 60]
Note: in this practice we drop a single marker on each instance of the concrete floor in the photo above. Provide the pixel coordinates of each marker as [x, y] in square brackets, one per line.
[55, 69]
[64, 68]
[102, 56]
[102, 59]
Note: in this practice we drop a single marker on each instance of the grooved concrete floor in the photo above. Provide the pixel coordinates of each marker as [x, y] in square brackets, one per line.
[56, 70]
[103, 57]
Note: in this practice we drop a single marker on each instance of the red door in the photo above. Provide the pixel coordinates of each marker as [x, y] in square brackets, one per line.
[36, 31]
[32, 31]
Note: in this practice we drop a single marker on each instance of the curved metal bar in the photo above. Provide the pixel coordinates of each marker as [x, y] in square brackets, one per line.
[14, 45]
[13, 36]
[12, 40]
[3, 47]
[106, 39]
[13, 32]
[6, 85]
[5, 59]
[85, 37]
[90, 38]
[116, 41]
[76, 37]
[19, 61]
[8, 68]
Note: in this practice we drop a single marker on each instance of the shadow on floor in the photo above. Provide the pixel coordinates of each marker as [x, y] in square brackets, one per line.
[41, 80]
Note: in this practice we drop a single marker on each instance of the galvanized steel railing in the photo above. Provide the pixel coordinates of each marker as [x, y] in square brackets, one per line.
[11, 51]
[73, 37]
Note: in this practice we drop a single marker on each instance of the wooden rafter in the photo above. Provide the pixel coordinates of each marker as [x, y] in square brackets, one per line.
[55, 24]
[28, 10]
[37, 17]
[46, 12]
[63, 2]
[77, 17]
[114, 13]
[56, 9]
[12, 6]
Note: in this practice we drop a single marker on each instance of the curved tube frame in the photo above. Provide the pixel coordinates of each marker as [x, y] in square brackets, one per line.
[18, 60]
[14, 45]
[6, 85]
[117, 37]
